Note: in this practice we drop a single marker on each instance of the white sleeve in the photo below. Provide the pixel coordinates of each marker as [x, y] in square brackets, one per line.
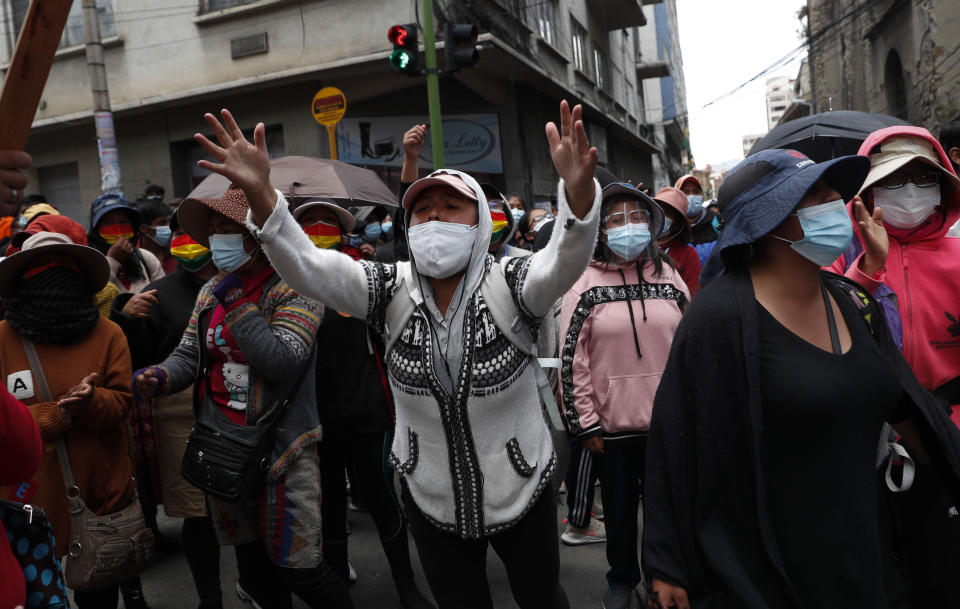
[337, 280]
[541, 279]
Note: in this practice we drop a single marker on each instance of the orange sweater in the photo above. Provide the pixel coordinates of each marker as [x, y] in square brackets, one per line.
[97, 438]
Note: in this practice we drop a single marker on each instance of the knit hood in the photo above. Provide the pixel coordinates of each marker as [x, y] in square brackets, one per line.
[477, 264]
[950, 201]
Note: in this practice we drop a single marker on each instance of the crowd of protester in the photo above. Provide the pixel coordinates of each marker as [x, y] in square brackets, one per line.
[772, 377]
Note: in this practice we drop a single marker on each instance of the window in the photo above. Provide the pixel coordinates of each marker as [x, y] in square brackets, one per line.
[601, 68]
[73, 31]
[209, 6]
[579, 46]
[547, 20]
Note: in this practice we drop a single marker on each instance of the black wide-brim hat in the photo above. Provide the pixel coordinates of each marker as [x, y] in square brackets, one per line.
[622, 189]
[760, 192]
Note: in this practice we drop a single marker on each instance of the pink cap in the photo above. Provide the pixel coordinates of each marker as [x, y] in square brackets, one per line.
[437, 179]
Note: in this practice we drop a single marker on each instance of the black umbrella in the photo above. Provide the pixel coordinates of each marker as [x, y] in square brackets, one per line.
[827, 135]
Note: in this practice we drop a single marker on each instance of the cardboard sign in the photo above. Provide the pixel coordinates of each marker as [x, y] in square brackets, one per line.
[28, 71]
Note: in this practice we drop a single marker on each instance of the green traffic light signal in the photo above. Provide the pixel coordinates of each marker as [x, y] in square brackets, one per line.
[400, 59]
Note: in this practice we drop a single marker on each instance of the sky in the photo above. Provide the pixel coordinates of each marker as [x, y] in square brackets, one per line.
[725, 44]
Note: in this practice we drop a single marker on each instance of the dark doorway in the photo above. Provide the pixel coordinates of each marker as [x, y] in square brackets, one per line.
[895, 85]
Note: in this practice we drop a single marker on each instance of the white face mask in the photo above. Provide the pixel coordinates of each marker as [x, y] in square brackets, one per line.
[441, 249]
[907, 206]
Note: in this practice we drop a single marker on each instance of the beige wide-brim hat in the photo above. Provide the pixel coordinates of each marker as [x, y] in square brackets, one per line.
[91, 262]
[899, 150]
[347, 221]
[194, 214]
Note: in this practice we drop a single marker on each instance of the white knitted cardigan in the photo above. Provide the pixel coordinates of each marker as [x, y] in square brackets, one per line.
[477, 460]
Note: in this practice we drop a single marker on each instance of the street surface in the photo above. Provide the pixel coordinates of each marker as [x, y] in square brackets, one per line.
[167, 583]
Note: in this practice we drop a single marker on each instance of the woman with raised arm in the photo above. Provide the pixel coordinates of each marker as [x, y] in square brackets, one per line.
[472, 444]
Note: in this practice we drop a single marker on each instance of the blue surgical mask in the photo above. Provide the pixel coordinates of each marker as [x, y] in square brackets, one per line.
[163, 236]
[694, 205]
[715, 223]
[629, 241]
[517, 214]
[386, 227]
[827, 231]
[667, 223]
[228, 252]
[371, 232]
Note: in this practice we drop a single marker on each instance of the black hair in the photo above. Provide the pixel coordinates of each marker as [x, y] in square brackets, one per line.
[154, 189]
[950, 135]
[738, 256]
[652, 252]
[151, 209]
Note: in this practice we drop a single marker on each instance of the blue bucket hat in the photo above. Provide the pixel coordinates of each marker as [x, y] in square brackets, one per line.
[763, 189]
[108, 202]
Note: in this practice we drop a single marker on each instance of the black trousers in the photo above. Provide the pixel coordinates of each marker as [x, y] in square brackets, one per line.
[102, 598]
[373, 479]
[456, 569]
[581, 477]
[621, 468]
[319, 587]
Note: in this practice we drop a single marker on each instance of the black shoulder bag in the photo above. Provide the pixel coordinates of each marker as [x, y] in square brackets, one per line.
[227, 460]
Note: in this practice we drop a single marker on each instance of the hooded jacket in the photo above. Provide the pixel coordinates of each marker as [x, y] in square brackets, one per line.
[477, 456]
[706, 523]
[606, 385]
[923, 270]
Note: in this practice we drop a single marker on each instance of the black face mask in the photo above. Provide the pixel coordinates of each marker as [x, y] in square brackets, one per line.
[55, 306]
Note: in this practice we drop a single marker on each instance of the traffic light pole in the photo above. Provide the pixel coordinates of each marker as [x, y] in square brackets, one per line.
[433, 84]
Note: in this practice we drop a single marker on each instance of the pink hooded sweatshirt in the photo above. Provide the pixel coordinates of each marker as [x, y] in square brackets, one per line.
[923, 269]
[606, 385]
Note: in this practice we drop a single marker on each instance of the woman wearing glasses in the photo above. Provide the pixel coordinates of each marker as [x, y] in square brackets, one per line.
[618, 321]
[913, 184]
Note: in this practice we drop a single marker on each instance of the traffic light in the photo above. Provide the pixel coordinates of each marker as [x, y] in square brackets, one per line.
[406, 55]
[460, 46]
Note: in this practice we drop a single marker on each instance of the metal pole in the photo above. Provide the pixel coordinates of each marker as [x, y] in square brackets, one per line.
[433, 84]
[332, 134]
[106, 138]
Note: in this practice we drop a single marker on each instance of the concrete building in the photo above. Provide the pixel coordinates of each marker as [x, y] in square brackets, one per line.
[898, 57]
[170, 61]
[749, 141]
[660, 67]
[778, 97]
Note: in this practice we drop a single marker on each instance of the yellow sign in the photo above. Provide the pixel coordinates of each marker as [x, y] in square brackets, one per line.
[329, 105]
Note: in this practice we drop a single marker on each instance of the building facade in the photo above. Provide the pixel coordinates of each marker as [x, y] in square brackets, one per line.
[660, 69]
[897, 57]
[778, 97]
[169, 61]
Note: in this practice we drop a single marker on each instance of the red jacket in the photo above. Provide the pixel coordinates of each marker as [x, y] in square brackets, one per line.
[20, 453]
[923, 269]
[688, 262]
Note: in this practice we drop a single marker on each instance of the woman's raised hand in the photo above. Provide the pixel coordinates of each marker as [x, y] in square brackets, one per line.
[245, 164]
[573, 158]
[876, 242]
